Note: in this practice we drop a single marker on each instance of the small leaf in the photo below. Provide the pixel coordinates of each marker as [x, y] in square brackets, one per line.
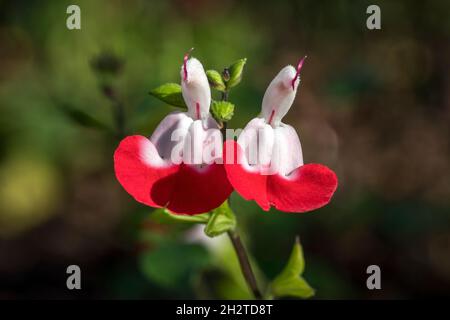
[165, 216]
[296, 263]
[235, 71]
[169, 93]
[222, 219]
[290, 282]
[215, 80]
[222, 111]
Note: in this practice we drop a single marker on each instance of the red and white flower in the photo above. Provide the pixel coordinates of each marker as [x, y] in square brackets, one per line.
[170, 169]
[266, 162]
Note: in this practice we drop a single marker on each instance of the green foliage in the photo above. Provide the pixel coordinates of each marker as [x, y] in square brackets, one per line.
[215, 80]
[290, 281]
[222, 111]
[164, 216]
[171, 263]
[222, 219]
[235, 71]
[169, 93]
[217, 221]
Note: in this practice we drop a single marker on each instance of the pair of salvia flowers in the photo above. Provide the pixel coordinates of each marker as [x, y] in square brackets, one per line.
[185, 166]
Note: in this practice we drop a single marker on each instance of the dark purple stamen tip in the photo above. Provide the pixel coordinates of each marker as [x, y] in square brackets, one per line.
[299, 67]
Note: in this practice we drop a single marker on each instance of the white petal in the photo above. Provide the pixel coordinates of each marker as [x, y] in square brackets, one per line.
[195, 89]
[150, 156]
[287, 153]
[255, 136]
[193, 146]
[213, 143]
[279, 96]
[270, 150]
[203, 145]
[256, 140]
[179, 138]
[164, 138]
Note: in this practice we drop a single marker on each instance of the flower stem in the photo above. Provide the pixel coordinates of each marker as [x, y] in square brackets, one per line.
[244, 262]
[225, 96]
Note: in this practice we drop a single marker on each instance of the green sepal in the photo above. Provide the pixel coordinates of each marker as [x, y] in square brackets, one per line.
[222, 220]
[235, 71]
[215, 80]
[164, 216]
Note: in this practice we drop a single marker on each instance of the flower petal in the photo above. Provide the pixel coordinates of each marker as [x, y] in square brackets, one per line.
[164, 138]
[271, 150]
[199, 189]
[279, 96]
[183, 189]
[287, 152]
[256, 140]
[247, 182]
[307, 188]
[138, 167]
[195, 89]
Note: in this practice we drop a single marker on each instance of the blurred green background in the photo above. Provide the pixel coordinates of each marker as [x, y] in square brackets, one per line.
[373, 105]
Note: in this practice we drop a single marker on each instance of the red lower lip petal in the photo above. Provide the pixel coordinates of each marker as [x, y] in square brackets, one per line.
[139, 178]
[198, 191]
[182, 188]
[310, 187]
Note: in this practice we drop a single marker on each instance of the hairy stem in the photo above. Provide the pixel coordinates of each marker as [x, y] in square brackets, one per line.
[244, 262]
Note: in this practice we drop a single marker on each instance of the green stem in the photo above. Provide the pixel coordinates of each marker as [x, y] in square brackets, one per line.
[225, 96]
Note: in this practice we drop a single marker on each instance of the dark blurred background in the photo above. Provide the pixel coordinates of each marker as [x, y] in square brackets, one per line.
[373, 105]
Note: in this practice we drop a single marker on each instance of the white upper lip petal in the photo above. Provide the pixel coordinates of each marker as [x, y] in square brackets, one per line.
[269, 145]
[195, 89]
[182, 136]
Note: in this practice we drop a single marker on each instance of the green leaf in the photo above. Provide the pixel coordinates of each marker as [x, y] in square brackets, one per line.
[215, 80]
[222, 111]
[290, 282]
[169, 93]
[166, 217]
[236, 70]
[222, 219]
